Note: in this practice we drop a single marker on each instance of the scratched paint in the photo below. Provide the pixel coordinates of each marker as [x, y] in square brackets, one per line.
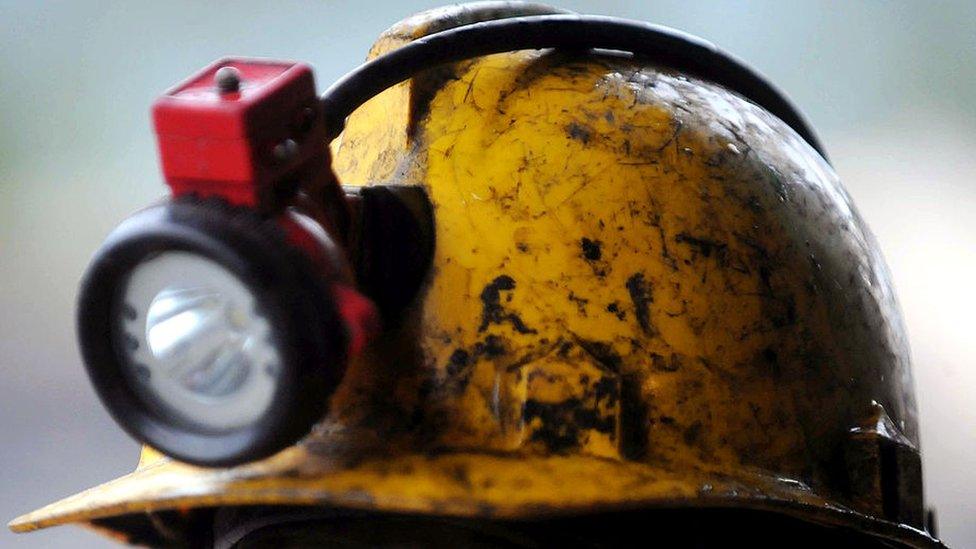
[730, 278]
[688, 244]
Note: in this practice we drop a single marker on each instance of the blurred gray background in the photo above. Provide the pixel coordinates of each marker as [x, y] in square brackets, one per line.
[890, 85]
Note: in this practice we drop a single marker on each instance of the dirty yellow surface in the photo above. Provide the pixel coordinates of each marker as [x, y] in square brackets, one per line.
[636, 265]
[646, 291]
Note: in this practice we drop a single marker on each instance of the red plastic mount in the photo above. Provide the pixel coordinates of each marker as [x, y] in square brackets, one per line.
[240, 144]
[357, 313]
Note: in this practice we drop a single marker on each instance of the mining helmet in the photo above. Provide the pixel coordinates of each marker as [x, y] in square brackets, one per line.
[581, 266]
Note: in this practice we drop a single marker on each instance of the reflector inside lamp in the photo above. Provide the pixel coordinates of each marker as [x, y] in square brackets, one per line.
[197, 348]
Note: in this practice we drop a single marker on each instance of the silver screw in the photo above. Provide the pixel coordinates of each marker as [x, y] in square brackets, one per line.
[286, 150]
[228, 80]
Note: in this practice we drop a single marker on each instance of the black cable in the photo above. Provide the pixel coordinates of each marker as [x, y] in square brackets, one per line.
[672, 48]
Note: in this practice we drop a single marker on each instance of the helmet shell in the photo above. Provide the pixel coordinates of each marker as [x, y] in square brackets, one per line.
[647, 292]
[640, 265]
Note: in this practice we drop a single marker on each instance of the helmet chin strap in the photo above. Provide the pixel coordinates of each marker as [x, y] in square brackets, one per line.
[672, 48]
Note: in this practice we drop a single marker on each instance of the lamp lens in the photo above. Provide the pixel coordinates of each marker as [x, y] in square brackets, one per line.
[195, 344]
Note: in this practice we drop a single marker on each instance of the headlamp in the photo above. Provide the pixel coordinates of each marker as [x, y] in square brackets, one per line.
[216, 325]
[210, 336]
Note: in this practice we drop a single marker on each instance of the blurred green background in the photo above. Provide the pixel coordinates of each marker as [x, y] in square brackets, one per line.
[890, 85]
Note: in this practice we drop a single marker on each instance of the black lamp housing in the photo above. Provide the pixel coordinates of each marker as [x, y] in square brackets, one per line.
[289, 292]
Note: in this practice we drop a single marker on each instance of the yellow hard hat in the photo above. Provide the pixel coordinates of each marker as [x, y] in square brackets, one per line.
[648, 290]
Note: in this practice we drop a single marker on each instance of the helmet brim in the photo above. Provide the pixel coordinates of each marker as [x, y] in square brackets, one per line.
[462, 484]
